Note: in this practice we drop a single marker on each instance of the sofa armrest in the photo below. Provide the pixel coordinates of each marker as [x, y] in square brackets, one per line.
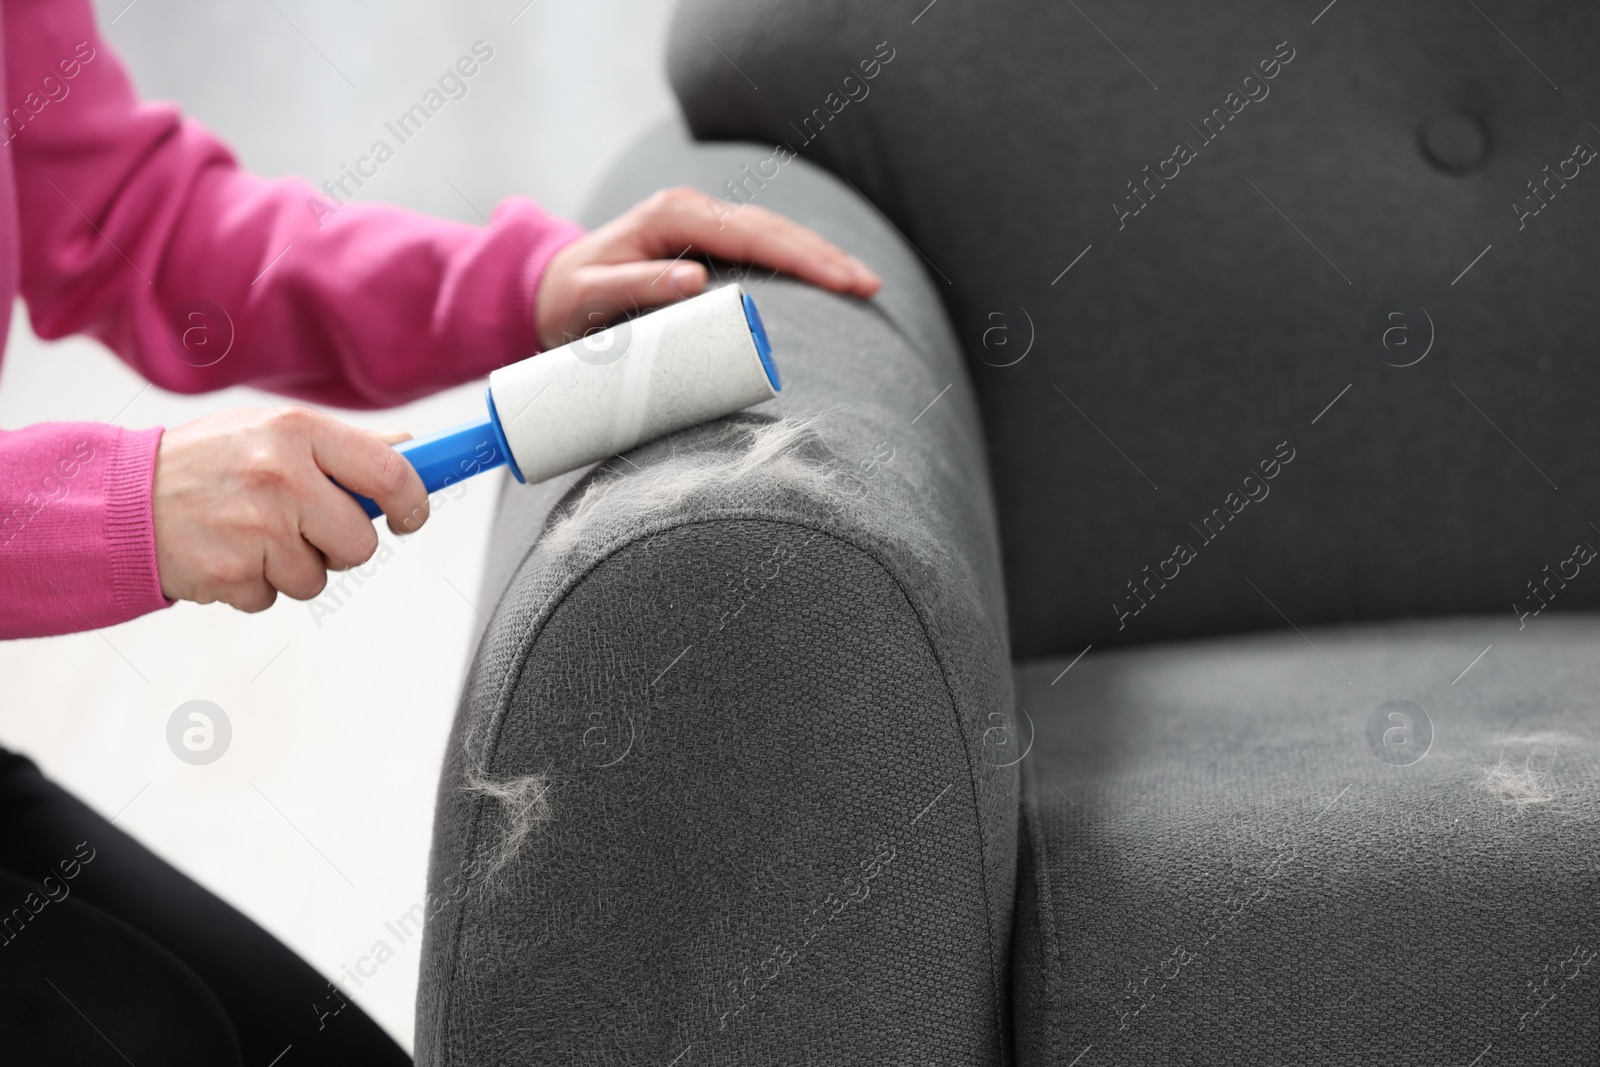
[733, 778]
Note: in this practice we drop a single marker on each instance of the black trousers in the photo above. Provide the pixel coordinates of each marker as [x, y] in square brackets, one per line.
[109, 956]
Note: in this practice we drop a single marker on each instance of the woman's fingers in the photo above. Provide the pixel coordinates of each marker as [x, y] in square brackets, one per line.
[611, 290]
[676, 219]
[341, 532]
[359, 461]
[676, 225]
[755, 235]
[292, 566]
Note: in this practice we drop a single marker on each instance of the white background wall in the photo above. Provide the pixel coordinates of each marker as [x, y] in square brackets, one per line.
[338, 719]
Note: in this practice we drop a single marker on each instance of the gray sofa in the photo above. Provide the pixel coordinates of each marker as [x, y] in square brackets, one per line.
[890, 722]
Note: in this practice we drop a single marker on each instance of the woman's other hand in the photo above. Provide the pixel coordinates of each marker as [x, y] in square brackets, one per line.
[244, 509]
[637, 260]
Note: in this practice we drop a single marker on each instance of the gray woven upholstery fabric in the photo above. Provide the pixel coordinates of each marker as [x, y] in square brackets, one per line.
[726, 784]
[1350, 162]
[1218, 866]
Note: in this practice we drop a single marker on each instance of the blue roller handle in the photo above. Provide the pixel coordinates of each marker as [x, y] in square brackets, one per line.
[446, 457]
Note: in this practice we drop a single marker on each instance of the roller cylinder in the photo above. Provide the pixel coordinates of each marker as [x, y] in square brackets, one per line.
[685, 364]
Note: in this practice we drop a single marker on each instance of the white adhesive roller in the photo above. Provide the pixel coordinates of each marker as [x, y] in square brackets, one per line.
[605, 393]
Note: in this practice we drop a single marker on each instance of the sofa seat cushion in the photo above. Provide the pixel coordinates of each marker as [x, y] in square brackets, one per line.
[1233, 852]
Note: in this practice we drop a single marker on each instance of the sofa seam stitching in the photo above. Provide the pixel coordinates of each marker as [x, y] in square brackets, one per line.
[1040, 856]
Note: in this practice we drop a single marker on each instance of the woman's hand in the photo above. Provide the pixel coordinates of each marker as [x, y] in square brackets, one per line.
[244, 509]
[634, 262]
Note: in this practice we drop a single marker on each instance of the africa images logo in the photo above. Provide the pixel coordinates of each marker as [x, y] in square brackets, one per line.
[1399, 733]
[199, 732]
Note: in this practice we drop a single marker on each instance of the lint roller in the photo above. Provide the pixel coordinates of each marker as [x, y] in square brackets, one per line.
[676, 367]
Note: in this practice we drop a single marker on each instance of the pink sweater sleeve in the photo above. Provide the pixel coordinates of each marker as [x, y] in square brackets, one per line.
[76, 550]
[137, 227]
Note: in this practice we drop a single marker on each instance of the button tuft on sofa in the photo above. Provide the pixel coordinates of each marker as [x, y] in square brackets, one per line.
[1456, 143]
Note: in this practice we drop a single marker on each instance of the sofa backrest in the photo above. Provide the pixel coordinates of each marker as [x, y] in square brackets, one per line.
[1275, 314]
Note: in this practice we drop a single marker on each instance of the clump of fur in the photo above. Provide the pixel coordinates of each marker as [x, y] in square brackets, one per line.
[524, 804]
[784, 452]
[1530, 783]
[1520, 787]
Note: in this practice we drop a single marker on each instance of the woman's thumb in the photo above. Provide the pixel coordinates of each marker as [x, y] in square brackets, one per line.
[646, 284]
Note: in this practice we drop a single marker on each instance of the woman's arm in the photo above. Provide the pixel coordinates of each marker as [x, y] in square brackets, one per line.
[132, 217]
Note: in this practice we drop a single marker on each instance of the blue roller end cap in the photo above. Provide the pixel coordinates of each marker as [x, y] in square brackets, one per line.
[758, 333]
[500, 436]
[446, 457]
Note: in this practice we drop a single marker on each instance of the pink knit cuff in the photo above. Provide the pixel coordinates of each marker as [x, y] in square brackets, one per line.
[130, 523]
